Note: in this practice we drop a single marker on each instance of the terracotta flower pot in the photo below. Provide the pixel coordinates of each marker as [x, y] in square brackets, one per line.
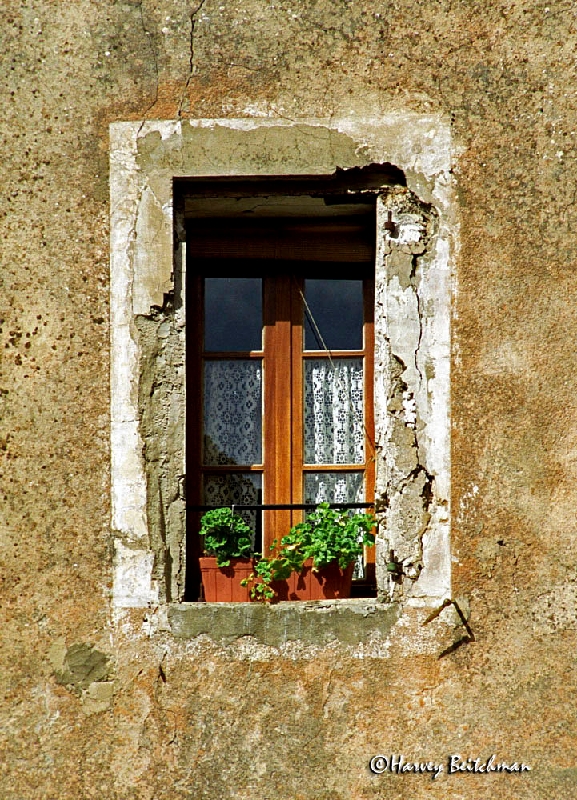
[222, 584]
[329, 583]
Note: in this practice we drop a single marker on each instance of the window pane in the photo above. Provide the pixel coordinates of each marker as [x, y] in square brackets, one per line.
[337, 310]
[233, 412]
[333, 413]
[232, 314]
[334, 487]
[237, 488]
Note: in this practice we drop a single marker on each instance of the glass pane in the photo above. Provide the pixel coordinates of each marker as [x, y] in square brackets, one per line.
[333, 413]
[337, 310]
[232, 314]
[237, 488]
[334, 487]
[233, 412]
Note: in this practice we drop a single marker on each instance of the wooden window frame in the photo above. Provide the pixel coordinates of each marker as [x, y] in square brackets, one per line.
[283, 357]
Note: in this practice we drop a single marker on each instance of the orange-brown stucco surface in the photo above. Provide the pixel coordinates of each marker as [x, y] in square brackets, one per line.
[95, 707]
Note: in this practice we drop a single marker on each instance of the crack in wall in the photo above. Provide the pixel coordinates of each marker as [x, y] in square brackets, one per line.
[419, 312]
[191, 56]
[148, 36]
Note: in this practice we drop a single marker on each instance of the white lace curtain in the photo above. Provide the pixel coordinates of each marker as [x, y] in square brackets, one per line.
[333, 419]
[334, 487]
[333, 424]
[232, 412]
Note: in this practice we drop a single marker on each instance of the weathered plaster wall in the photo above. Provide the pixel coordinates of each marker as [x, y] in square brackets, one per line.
[102, 706]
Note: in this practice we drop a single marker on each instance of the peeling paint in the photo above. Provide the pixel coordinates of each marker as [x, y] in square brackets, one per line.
[408, 495]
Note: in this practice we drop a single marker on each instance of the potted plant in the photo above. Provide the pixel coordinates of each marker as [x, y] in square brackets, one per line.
[228, 556]
[315, 560]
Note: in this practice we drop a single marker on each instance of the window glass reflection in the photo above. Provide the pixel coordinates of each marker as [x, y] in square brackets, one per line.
[232, 314]
[337, 309]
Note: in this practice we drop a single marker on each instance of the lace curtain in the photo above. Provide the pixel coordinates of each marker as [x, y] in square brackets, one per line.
[334, 432]
[232, 412]
[334, 487]
[333, 418]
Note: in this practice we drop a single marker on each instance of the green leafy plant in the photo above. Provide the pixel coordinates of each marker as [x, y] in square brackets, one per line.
[325, 536]
[260, 581]
[226, 536]
[329, 535]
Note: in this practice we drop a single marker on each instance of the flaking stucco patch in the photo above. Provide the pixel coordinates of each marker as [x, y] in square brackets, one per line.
[412, 444]
[82, 666]
[133, 583]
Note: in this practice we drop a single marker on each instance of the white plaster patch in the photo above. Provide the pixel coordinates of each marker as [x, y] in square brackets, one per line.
[505, 358]
[153, 252]
[467, 502]
[133, 586]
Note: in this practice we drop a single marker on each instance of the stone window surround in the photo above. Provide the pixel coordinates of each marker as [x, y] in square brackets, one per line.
[413, 302]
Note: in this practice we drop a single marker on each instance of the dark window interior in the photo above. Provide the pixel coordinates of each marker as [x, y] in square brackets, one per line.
[279, 366]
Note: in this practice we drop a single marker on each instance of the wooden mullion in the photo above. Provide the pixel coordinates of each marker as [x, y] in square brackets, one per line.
[278, 392]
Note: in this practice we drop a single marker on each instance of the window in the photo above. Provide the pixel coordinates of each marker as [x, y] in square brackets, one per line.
[280, 367]
[158, 182]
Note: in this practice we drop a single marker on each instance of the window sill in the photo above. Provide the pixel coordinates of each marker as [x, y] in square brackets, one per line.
[349, 622]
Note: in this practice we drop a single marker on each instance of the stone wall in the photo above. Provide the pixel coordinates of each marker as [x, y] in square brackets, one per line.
[118, 700]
